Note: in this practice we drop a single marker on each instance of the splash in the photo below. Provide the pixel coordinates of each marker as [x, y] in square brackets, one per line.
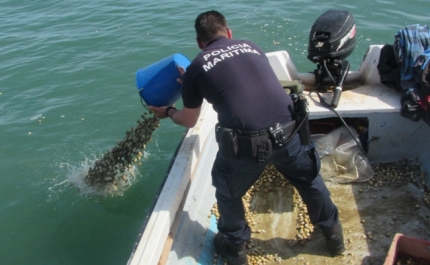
[116, 170]
[77, 177]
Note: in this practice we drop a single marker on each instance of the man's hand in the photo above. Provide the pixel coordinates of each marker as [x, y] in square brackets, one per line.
[185, 116]
[159, 112]
[181, 71]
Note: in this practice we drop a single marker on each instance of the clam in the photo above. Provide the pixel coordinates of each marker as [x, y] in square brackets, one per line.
[120, 157]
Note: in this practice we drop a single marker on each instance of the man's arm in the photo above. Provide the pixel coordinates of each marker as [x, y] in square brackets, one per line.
[185, 117]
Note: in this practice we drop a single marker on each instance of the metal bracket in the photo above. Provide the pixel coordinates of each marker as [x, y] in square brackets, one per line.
[277, 134]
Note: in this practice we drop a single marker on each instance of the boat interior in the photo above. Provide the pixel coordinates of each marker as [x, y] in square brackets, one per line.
[182, 226]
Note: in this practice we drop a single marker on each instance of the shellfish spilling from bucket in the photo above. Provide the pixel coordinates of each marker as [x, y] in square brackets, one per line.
[157, 84]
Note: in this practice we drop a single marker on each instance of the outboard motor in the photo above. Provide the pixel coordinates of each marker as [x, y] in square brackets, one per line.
[331, 40]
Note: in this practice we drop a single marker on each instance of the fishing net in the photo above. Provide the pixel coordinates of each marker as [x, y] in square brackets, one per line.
[342, 161]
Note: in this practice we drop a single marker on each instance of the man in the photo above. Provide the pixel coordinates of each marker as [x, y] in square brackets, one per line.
[256, 121]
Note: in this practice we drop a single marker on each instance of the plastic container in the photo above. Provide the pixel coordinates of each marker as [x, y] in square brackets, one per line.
[416, 248]
[157, 84]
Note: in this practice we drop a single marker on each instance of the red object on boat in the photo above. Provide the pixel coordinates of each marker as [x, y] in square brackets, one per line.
[415, 248]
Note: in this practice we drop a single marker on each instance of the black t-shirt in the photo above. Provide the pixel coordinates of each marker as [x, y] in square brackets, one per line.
[236, 78]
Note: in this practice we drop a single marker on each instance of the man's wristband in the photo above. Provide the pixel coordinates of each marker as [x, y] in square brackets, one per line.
[167, 110]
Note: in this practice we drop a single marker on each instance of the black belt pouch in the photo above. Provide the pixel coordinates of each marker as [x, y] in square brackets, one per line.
[227, 142]
[261, 148]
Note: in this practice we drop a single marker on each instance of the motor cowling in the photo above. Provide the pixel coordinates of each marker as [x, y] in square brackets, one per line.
[332, 36]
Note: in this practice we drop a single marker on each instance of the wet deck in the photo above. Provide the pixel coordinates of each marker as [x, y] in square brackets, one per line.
[371, 212]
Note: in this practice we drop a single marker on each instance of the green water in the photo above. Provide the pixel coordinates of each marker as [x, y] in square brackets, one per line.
[67, 94]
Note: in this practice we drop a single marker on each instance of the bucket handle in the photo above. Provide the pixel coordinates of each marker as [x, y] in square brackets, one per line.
[141, 100]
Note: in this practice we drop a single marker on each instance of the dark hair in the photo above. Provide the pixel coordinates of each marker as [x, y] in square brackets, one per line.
[210, 24]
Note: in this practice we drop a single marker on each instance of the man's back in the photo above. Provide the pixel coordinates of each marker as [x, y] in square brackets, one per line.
[236, 77]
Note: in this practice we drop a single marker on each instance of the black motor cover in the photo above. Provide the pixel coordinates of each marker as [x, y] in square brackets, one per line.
[332, 36]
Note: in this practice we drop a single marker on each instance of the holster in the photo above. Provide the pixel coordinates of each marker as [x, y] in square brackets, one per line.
[227, 142]
[232, 146]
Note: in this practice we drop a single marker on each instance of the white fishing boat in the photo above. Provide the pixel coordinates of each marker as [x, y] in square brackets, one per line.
[181, 227]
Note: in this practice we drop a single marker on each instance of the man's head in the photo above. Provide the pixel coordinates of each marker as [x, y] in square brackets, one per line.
[210, 25]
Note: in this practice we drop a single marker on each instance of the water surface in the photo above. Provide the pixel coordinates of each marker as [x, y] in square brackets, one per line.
[67, 94]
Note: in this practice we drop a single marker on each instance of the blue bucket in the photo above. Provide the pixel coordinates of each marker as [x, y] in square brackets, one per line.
[157, 83]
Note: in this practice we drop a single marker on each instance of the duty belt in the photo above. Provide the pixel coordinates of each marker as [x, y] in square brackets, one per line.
[279, 133]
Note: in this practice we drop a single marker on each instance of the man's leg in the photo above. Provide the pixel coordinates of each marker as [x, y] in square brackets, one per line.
[232, 179]
[301, 165]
